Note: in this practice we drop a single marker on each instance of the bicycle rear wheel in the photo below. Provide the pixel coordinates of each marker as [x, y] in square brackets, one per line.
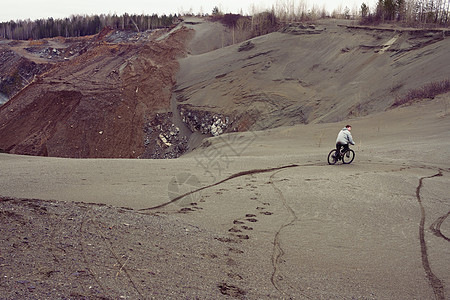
[348, 157]
[332, 157]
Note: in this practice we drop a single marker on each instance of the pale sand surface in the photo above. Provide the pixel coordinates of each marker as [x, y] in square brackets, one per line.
[295, 228]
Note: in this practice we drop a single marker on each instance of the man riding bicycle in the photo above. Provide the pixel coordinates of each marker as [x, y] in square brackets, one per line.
[343, 139]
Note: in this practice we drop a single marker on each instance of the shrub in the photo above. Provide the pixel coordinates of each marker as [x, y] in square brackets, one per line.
[429, 90]
[245, 27]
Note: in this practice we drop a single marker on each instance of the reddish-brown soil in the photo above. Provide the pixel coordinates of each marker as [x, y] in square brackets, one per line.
[96, 104]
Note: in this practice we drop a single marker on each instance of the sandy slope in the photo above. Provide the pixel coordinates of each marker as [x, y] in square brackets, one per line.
[270, 218]
[294, 76]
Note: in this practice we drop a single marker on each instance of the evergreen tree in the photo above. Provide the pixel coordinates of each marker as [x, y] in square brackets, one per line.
[76, 26]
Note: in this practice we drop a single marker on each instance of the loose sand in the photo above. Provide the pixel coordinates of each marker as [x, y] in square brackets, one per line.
[267, 217]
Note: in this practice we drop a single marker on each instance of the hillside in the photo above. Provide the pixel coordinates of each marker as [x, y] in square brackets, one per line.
[158, 94]
[100, 97]
[253, 214]
[324, 73]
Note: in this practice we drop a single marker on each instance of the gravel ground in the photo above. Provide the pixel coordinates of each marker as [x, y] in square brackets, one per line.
[52, 249]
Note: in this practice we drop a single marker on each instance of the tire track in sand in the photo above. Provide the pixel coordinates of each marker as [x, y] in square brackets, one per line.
[240, 174]
[278, 251]
[436, 227]
[435, 282]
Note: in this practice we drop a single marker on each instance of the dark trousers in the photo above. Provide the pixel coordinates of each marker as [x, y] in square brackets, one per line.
[338, 148]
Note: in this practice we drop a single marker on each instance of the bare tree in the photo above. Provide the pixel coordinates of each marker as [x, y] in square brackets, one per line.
[301, 10]
[337, 13]
[446, 12]
[323, 12]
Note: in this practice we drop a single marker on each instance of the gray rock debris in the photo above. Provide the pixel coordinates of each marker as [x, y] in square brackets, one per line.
[298, 29]
[246, 46]
[204, 122]
[162, 138]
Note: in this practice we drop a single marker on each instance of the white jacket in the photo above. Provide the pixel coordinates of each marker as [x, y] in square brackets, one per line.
[344, 137]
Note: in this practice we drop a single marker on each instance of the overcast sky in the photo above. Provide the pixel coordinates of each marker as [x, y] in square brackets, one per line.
[36, 9]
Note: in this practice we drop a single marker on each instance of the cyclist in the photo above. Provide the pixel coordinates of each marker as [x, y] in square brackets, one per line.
[343, 139]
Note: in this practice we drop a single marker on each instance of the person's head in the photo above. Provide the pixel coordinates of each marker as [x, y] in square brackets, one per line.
[349, 127]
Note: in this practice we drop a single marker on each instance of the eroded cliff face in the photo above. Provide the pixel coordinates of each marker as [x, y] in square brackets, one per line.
[16, 72]
[101, 98]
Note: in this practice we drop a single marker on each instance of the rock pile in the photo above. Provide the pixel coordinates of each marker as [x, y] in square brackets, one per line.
[162, 138]
[301, 28]
[205, 122]
[246, 46]
[48, 52]
[16, 72]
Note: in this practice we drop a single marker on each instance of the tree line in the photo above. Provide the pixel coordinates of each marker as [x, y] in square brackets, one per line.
[81, 25]
[412, 12]
[246, 27]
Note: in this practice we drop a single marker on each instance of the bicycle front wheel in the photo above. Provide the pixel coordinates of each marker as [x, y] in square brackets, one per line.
[332, 157]
[348, 157]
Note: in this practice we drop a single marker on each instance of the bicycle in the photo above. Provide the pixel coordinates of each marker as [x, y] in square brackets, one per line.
[347, 156]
